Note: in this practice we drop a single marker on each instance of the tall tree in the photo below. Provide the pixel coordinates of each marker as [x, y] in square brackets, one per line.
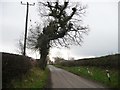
[63, 27]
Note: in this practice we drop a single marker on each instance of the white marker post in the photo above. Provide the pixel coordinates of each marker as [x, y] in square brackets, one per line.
[108, 75]
[88, 71]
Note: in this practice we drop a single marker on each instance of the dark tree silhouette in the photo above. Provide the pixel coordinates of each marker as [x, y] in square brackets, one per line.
[63, 27]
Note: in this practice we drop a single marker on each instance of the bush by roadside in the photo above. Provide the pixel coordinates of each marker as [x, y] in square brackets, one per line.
[14, 66]
[35, 78]
[23, 72]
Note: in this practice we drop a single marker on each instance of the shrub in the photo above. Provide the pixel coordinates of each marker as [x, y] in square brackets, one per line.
[14, 66]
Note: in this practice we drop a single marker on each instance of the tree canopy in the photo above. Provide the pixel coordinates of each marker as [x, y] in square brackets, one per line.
[63, 26]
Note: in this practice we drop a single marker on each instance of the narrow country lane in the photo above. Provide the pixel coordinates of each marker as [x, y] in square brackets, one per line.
[64, 79]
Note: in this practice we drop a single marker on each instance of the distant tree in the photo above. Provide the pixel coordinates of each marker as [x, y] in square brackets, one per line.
[63, 27]
[71, 58]
[58, 60]
[50, 62]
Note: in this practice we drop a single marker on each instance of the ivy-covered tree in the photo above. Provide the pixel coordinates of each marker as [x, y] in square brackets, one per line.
[63, 27]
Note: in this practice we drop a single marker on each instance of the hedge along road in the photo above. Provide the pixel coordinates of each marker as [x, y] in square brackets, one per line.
[64, 79]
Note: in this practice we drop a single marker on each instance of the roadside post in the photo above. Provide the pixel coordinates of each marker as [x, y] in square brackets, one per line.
[108, 75]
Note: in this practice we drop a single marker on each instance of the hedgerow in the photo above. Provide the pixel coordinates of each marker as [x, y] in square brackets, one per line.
[110, 61]
[14, 66]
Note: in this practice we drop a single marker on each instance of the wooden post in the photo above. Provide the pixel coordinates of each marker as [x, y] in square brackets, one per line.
[24, 53]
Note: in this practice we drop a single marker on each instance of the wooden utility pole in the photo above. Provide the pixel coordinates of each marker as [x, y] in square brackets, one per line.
[24, 53]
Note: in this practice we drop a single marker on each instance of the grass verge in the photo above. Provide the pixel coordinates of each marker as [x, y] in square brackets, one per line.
[35, 78]
[96, 74]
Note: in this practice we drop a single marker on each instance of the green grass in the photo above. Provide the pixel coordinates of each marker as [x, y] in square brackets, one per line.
[98, 74]
[35, 78]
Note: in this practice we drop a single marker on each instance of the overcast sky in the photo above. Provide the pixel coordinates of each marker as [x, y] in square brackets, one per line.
[101, 16]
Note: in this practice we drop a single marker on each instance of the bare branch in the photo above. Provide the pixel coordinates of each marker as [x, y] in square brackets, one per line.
[63, 26]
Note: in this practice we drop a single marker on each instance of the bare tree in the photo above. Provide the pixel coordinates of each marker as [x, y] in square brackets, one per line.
[20, 47]
[63, 27]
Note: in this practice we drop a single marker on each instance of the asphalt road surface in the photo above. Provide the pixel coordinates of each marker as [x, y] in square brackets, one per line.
[64, 79]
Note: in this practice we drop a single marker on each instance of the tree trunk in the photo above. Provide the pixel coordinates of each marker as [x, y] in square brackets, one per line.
[42, 63]
[43, 55]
